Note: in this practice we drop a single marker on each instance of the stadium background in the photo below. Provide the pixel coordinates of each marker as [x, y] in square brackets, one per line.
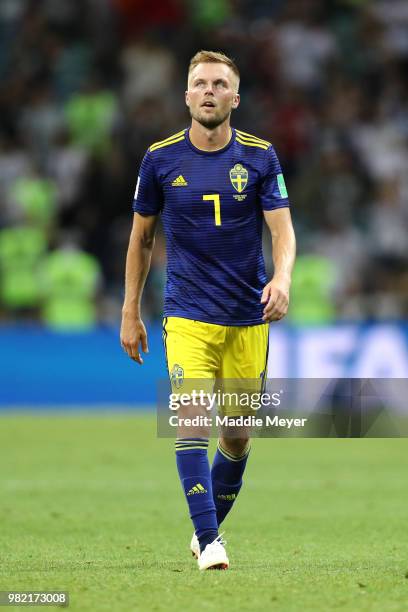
[85, 88]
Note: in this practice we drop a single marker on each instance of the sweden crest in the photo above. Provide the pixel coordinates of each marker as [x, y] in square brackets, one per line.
[177, 376]
[238, 177]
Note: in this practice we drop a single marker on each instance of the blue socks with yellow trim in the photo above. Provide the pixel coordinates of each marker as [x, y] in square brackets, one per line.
[226, 477]
[195, 477]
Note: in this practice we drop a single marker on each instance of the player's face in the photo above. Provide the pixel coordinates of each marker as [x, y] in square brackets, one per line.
[212, 93]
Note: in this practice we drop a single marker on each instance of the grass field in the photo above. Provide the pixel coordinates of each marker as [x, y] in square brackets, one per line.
[92, 505]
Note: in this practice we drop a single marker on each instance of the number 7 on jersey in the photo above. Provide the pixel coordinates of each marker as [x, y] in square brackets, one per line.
[217, 207]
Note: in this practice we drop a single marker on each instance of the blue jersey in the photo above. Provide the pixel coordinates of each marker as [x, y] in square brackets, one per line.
[211, 205]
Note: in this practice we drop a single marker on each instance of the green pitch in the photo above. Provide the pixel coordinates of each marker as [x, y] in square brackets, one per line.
[92, 505]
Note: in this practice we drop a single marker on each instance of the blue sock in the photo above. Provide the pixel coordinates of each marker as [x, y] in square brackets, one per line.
[226, 476]
[195, 477]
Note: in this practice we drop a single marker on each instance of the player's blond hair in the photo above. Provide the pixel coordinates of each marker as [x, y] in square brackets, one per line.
[213, 57]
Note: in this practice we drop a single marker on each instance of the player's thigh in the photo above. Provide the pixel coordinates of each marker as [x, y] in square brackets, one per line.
[193, 353]
[246, 352]
[243, 368]
[193, 348]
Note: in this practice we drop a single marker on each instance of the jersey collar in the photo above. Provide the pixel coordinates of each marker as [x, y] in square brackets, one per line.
[201, 152]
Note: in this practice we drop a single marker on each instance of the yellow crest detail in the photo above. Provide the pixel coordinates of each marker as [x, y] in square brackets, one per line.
[239, 177]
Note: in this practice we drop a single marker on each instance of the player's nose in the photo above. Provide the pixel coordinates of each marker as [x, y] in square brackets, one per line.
[209, 90]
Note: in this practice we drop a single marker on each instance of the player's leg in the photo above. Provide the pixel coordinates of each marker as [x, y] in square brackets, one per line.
[227, 470]
[192, 352]
[244, 361]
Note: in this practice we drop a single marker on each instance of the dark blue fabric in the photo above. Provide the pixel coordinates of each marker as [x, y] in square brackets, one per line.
[215, 273]
[194, 469]
[226, 477]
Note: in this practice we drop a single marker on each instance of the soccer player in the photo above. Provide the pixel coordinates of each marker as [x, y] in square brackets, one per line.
[213, 185]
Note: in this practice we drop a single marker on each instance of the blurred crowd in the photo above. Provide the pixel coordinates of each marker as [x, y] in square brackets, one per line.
[87, 86]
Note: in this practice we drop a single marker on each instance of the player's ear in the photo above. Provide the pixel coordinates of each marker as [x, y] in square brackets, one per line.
[236, 100]
[187, 98]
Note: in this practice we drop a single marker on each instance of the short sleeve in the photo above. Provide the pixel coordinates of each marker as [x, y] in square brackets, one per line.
[273, 193]
[148, 199]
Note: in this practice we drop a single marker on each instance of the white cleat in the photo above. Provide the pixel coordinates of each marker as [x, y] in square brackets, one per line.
[214, 556]
[195, 546]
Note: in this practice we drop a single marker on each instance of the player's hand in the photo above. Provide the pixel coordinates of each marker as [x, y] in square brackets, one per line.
[275, 296]
[132, 334]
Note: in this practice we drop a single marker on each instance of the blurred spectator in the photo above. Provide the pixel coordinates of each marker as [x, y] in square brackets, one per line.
[66, 165]
[311, 291]
[388, 236]
[140, 16]
[41, 119]
[35, 199]
[209, 13]
[342, 244]
[14, 162]
[69, 282]
[22, 249]
[90, 116]
[306, 45]
[149, 72]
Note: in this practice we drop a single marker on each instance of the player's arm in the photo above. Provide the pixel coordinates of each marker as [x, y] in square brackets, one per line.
[275, 295]
[133, 331]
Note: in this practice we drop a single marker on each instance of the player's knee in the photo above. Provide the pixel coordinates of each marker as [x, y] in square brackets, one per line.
[235, 446]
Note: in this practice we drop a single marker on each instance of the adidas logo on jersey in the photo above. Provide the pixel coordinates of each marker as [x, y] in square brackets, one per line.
[180, 181]
[198, 488]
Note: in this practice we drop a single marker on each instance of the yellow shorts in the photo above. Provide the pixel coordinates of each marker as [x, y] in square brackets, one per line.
[197, 351]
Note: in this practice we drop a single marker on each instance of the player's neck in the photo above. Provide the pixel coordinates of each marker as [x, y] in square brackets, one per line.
[210, 140]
